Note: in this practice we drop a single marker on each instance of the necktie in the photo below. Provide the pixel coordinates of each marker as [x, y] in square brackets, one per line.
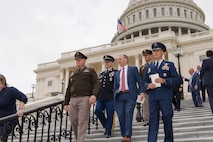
[157, 63]
[123, 80]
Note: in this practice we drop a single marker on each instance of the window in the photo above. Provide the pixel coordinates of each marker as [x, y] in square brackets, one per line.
[202, 57]
[147, 13]
[140, 15]
[178, 12]
[128, 21]
[185, 13]
[191, 14]
[162, 11]
[170, 11]
[133, 18]
[155, 12]
[50, 83]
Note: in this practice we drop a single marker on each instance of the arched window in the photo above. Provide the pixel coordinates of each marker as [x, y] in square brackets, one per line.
[185, 13]
[170, 11]
[128, 21]
[155, 12]
[147, 13]
[178, 11]
[140, 15]
[133, 18]
[162, 11]
[191, 14]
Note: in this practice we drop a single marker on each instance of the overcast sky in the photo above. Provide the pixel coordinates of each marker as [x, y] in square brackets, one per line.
[38, 31]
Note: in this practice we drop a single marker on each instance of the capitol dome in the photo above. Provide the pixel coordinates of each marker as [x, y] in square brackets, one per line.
[146, 17]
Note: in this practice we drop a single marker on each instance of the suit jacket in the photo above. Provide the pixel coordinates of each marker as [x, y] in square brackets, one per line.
[166, 71]
[134, 80]
[195, 81]
[206, 72]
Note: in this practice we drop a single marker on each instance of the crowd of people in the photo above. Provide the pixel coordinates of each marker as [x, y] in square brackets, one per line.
[114, 92]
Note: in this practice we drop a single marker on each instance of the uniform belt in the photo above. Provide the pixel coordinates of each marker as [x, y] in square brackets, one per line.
[125, 91]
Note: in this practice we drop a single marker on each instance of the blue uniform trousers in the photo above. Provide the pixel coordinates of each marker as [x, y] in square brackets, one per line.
[124, 107]
[165, 106]
[106, 121]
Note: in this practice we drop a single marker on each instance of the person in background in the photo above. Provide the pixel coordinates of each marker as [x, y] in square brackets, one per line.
[82, 91]
[128, 84]
[202, 88]
[105, 100]
[8, 97]
[177, 90]
[194, 83]
[147, 54]
[206, 74]
[159, 79]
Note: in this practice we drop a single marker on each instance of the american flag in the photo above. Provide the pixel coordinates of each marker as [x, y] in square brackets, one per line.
[121, 26]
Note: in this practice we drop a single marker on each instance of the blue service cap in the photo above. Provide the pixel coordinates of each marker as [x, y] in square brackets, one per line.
[158, 45]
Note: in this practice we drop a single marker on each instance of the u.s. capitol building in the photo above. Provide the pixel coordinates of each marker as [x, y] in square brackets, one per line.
[179, 24]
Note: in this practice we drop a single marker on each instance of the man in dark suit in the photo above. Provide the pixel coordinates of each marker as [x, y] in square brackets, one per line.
[202, 88]
[206, 74]
[159, 79]
[194, 83]
[105, 98]
[126, 90]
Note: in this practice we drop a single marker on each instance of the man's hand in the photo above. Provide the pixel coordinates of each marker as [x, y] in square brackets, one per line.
[66, 108]
[151, 86]
[142, 97]
[20, 112]
[92, 99]
[160, 80]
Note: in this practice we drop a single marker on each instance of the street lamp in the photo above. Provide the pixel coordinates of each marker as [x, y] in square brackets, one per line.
[62, 84]
[33, 87]
[178, 51]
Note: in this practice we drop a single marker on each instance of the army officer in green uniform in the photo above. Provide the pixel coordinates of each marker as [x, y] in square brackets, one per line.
[82, 91]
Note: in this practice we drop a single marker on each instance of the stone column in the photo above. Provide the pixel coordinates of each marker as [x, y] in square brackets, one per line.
[137, 61]
[179, 31]
[67, 76]
[61, 81]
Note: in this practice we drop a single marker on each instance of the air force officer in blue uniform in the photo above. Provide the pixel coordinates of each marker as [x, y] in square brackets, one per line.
[159, 79]
[105, 99]
[126, 83]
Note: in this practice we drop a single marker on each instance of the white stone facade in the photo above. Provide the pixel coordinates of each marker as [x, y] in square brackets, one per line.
[194, 43]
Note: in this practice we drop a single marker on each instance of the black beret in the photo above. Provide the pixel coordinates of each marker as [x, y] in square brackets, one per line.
[158, 45]
[108, 58]
[146, 52]
[80, 55]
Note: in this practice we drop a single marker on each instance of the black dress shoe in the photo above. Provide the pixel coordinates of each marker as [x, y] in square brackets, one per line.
[108, 136]
[146, 124]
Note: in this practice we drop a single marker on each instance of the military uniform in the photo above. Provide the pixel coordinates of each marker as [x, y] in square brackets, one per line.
[82, 85]
[160, 98]
[145, 105]
[105, 98]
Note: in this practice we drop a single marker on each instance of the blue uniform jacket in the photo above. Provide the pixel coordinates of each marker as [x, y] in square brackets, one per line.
[106, 85]
[166, 71]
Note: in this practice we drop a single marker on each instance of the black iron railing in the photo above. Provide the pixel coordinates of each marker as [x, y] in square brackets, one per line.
[44, 123]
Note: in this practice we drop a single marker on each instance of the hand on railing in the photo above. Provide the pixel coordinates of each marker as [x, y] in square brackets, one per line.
[20, 112]
[66, 108]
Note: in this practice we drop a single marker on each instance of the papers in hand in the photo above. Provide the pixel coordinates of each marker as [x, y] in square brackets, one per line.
[153, 77]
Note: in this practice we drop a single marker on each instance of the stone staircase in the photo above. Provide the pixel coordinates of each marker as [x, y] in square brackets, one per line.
[191, 124]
